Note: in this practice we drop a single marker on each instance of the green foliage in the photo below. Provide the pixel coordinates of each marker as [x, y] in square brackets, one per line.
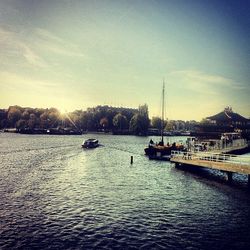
[170, 126]
[104, 122]
[21, 124]
[32, 121]
[139, 123]
[134, 124]
[93, 119]
[14, 114]
[25, 115]
[120, 121]
[156, 122]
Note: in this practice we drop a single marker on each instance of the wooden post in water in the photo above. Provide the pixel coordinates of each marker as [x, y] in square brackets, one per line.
[229, 177]
[131, 159]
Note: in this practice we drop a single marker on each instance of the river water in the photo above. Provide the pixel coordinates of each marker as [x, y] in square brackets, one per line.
[55, 195]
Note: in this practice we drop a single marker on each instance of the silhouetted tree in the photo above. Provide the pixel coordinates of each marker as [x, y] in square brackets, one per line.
[21, 124]
[120, 121]
[156, 122]
[44, 120]
[32, 121]
[92, 119]
[170, 126]
[143, 119]
[26, 115]
[14, 114]
[139, 123]
[104, 122]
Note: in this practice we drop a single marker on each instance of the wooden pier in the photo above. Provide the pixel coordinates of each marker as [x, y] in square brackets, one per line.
[227, 163]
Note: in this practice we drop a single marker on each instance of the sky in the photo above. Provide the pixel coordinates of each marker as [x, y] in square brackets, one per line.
[74, 54]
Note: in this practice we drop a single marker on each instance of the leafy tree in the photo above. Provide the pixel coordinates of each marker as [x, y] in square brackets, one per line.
[3, 118]
[44, 120]
[134, 125]
[170, 126]
[21, 124]
[74, 119]
[53, 117]
[14, 114]
[3, 123]
[120, 121]
[143, 119]
[32, 121]
[139, 124]
[90, 122]
[157, 123]
[91, 119]
[25, 115]
[104, 122]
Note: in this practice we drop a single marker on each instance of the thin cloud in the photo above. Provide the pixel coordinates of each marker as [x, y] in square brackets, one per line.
[31, 56]
[15, 81]
[202, 82]
[201, 76]
[64, 52]
[45, 34]
[14, 44]
[5, 35]
[56, 44]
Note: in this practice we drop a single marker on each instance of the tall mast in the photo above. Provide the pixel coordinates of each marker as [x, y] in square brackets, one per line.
[162, 110]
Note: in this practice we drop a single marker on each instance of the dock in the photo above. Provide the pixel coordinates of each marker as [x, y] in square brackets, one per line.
[227, 163]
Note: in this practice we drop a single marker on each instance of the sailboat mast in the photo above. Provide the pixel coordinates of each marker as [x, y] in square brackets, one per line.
[163, 111]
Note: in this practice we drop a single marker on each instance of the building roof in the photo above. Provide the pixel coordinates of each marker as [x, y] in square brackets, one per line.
[227, 115]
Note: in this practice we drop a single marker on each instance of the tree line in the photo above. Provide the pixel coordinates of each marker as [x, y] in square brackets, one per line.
[104, 118]
[99, 118]
[173, 125]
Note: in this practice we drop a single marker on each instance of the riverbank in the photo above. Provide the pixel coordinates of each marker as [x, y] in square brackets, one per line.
[52, 131]
[69, 131]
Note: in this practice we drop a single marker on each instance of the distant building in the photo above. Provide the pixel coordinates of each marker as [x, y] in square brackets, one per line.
[228, 118]
[225, 121]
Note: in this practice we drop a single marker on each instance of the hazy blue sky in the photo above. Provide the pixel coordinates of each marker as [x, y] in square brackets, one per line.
[74, 54]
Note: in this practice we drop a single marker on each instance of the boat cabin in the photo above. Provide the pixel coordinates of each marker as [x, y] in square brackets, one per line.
[90, 143]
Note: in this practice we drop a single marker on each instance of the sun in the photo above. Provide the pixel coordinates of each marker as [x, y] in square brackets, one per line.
[62, 110]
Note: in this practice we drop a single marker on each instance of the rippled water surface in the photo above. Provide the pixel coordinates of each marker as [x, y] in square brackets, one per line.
[54, 195]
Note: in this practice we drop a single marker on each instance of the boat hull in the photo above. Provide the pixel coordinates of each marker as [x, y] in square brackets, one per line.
[90, 146]
[161, 152]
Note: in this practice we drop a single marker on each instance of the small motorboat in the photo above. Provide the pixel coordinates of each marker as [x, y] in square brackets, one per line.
[90, 143]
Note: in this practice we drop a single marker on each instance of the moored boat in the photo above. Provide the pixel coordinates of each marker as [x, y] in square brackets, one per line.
[160, 151]
[90, 143]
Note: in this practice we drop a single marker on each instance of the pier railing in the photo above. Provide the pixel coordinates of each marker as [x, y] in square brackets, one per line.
[211, 156]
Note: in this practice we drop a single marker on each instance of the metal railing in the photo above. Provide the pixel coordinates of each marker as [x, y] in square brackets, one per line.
[209, 156]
